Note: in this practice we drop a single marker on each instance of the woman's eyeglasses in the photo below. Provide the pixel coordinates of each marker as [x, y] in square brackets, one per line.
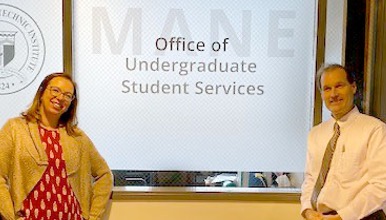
[67, 96]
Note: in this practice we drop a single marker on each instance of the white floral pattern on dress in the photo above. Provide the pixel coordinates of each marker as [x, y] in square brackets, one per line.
[52, 198]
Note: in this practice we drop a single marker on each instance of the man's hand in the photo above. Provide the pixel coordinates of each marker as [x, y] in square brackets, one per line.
[331, 217]
[310, 214]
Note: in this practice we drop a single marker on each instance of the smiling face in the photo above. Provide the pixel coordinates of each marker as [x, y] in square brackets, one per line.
[54, 101]
[337, 92]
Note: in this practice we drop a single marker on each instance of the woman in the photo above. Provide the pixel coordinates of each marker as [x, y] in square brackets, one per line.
[50, 169]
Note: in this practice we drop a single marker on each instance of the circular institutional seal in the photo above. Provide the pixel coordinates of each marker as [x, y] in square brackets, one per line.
[22, 49]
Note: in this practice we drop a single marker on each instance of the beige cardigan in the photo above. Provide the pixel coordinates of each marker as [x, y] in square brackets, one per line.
[23, 161]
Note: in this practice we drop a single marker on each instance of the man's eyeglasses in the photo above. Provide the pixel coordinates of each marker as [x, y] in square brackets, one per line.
[67, 96]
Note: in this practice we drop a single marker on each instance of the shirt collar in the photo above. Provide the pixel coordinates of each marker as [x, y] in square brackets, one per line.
[347, 117]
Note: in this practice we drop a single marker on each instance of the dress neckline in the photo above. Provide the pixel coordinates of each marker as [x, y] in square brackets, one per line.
[47, 128]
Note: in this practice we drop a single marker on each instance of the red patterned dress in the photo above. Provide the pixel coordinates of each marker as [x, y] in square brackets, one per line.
[52, 198]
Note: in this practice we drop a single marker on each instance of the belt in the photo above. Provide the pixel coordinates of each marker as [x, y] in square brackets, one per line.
[378, 215]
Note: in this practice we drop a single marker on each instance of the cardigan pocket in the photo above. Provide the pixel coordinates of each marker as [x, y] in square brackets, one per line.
[71, 154]
[73, 162]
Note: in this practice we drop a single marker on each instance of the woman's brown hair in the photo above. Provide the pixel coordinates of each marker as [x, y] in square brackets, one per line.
[68, 119]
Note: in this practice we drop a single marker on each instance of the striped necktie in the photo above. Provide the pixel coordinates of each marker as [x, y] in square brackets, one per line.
[327, 158]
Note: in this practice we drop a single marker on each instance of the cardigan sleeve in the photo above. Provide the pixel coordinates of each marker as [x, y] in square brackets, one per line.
[6, 149]
[103, 183]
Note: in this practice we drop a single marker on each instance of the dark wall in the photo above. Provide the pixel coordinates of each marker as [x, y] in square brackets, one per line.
[355, 44]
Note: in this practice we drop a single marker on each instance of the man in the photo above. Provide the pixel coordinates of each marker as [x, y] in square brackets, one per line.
[345, 175]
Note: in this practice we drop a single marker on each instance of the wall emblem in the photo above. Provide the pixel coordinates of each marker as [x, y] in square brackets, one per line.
[22, 49]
